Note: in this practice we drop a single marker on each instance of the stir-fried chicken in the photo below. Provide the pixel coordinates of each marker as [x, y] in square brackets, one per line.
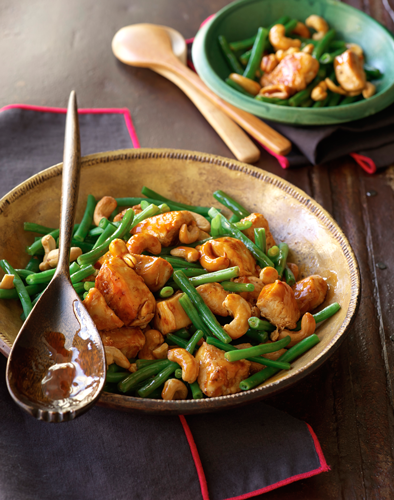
[170, 315]
[102, 315]
[217, 376]
[128, 340]
[349, 71]
[310, 293]
[277, 303]
[155, 271]
[251, 297]
[258, 220]
[237, 253]
[294, 72]
[165, 226]
[213, 294]
[125, 292]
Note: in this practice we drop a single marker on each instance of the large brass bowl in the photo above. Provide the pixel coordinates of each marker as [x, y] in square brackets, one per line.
[317, 243]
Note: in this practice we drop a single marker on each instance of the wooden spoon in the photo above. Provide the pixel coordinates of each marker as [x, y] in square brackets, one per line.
[232, 135]
[149, 46]
[56, 368]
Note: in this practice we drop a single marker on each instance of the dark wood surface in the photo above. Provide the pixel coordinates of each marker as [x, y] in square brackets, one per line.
[48, 48]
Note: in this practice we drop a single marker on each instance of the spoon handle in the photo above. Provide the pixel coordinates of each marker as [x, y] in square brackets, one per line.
[70, 184]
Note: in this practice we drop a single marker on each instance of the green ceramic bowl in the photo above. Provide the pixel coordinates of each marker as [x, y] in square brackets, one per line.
[241, 20]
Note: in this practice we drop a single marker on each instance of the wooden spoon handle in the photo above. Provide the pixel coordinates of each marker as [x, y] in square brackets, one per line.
[70, 184]
[232, 135]
[253, 125]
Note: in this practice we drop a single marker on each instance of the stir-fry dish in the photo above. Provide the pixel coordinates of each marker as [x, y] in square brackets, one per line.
[292, 63]
[188, 303]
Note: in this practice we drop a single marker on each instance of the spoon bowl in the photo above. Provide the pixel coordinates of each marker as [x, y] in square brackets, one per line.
[56, 368]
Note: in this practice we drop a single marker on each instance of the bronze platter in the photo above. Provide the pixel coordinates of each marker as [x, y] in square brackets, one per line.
[316, 242]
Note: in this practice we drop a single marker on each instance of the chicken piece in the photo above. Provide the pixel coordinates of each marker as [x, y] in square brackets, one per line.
[237, 253]
[277, 303]
[102, 315]
[165, 226]
[258, 220]
[250, 297]
[349, 71]
[213, 294]
[294, 72]
[310, 293]
[170, 315]
[155, 271]
[125, 292]
[217, 376]
[128, 340]
[137, 210]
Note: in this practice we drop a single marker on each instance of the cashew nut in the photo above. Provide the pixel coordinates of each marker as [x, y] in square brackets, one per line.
[301, 30]
[118, 248]
[114, 355]
[269, 275]
[281, 54]
[294, 269]
[369, 90]
[308, 327]
[319, 93]
[188, 253]
[201, 221]
[334, 88]
[153, 340]
[49, 244]
[240, 310]
[174, 389]
[189, 233]
[356, 49]
[133, 368]
[161, 351]
[269, 63]
[279, 90]
[144, 241]
[279, 40]
[187, 362]
[203, 235]
[308, 49]
[246, 83]
[130, 260]
[209, 261]
[319, 24]
[104, 209]
[7, 283]
[53, 256]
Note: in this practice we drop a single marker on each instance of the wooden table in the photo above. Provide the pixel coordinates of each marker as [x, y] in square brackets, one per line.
[47, 48]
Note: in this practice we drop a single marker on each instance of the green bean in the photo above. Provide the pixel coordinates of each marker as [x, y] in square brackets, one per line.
[37, 228]
[349, 100]
[13, 294]
[242, 44]
[290, 25]
[282, 259]
[23, 273]
[301, 96]
[242, 225]
[87, 219]
[88, 285]
[85, 246]
[37, 245]
[183, 282]
[193, 273]
[321, 104]
[114, 368]
[41, 278]
[196, 337]
[96, 253]
[74, 267]
[305, 41]
[178, 373]
[244, 58]
[129, 383]
[83, 273]
[232, 287]
[231, 204]
[322, 315]
[78, 287]
[334, 99]
[272, 100]
[258, 335]
[273, 252]
[193, 315]
[257, 53]
[178, 262]
[337, 44]
[183, 333]
[111, 388]
[19, 286]
[33, 265]
[144, 204]
[260, 324]
[289, 276]
[176, 340]
[216, 276]
[307, 104]
[282, 20]
[329, 57]
[145, 362]
[158, 380]
[216, 227]
[199, 210]
[106, 233]
[95, 232]
[104, 223]
[289, 356]
[234, 218]
[261, 258]
[260, 239]
[229, 56]
[257, 350]
[321, 47]
[166, 291]
[164, 208]
[372, 73]
[196, 391]
[116, 377]
[256, 359]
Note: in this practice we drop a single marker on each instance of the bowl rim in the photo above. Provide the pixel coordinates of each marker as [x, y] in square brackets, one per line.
[366, 107]
[217, 403]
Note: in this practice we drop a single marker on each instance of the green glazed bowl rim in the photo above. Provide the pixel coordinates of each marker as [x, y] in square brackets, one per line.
[286, 114]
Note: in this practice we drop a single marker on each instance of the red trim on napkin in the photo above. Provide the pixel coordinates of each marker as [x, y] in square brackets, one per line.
[364, 162]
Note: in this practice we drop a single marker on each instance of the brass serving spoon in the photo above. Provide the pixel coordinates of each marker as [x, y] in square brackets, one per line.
[56, 368]
[149, 46]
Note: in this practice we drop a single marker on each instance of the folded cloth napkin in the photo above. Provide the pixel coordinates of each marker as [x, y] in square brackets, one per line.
[112, 454]
[370, 141]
